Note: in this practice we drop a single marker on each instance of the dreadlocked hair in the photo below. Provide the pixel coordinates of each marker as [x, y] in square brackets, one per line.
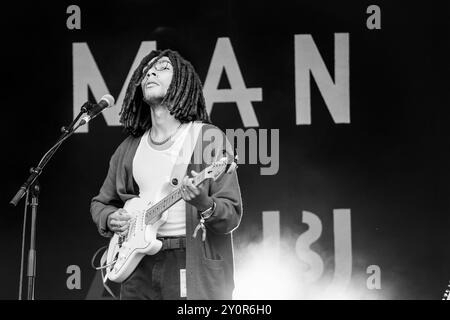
[184, 98]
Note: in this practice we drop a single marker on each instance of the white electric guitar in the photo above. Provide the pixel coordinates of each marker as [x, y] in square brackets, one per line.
[125, 252]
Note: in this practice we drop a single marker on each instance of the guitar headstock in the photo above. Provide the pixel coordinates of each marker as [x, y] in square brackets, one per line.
[217, 168]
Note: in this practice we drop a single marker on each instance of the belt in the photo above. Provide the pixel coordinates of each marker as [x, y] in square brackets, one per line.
[173, 243]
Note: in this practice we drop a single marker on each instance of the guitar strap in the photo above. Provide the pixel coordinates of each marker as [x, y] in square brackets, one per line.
[185, 154]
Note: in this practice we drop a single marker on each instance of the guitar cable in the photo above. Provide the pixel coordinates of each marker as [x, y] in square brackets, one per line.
[101, 268]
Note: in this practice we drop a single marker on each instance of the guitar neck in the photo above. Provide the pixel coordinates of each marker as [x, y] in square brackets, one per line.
[154, 212]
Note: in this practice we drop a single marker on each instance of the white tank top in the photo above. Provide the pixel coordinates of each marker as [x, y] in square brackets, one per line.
[152, 170]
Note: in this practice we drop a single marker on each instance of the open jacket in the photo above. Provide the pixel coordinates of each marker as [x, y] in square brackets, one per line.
[209, 264]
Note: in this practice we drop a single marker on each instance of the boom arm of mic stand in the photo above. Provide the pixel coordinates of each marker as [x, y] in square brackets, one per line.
[36, 172]
[23, 189]
[84, 109]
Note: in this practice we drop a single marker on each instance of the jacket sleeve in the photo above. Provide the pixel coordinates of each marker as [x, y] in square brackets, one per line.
[108, 200]
[226, 194]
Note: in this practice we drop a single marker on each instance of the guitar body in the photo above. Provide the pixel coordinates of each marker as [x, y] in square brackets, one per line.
[125, 253]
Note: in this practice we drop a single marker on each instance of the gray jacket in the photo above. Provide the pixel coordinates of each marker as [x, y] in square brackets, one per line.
[209, 264]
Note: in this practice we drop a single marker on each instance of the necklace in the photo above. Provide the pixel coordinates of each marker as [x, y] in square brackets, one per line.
[158, 143]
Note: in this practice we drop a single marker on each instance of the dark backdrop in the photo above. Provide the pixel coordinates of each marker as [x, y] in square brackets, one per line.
[389, 165]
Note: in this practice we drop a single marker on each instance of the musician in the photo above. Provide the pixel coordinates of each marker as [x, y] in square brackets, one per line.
[164, 97]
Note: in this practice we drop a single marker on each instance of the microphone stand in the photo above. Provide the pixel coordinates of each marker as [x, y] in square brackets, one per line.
[31, 186]
[31, 272]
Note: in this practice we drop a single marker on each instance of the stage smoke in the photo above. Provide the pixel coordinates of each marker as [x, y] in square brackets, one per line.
[267, 271]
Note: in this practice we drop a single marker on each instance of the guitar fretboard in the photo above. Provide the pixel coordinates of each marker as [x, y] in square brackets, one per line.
[154, 213]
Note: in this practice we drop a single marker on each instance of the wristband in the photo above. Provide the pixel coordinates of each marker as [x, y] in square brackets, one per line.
[208, 212]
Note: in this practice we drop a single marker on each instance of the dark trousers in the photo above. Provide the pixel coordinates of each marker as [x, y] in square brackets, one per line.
[156, 277]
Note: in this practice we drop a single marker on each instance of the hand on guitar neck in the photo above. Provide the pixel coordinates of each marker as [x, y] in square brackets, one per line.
[195, 195]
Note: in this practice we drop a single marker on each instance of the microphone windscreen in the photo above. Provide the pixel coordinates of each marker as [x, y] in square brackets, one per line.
[109, 99]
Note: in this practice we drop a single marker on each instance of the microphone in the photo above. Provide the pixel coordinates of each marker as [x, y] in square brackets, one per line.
[107, 101]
